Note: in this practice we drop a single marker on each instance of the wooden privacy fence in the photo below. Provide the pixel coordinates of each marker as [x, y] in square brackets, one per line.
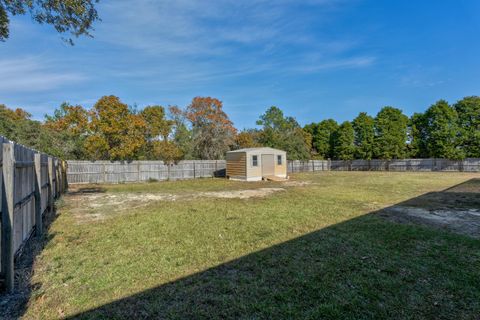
[138, 171]
[30, 181]
[308, 166]
[467, 165]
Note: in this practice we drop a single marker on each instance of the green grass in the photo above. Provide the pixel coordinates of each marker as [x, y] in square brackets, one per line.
[314, 251]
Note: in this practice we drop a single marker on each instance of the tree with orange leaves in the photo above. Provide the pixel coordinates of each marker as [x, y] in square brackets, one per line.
[115, 133]
[248, 139]
[157, 131]
[70, 122]
[69, 118]
[212, 131]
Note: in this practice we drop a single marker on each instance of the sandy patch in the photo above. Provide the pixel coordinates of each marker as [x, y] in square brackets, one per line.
[242, 194]
[464, 221]
[294, 183]
[89, 207]
[456, 209]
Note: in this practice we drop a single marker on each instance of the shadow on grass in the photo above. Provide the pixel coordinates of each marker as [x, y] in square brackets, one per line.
[79, 190]
[13, 305]
[369, 267]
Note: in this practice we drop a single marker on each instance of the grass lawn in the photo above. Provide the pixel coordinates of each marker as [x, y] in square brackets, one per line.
[317, 249]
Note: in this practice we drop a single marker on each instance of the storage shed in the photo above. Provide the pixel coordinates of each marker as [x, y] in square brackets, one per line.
[254, 164]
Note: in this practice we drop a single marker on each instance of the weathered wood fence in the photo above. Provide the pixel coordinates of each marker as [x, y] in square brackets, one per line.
[307, 166]
[139, 171]
[467, 165]
[30, 181]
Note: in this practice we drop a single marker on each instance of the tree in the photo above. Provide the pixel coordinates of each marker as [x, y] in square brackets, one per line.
[71, 123]
[468, 111]
[182, 135]
[441, 131]
[157, 135]
[10, 121]
[283, 133]
[390, 133]
[248, 139]
[344, 147]
[212, 131]
[166, 151]
[323, 135]
[156, 124]
[114, 132]
[75, 17]
[417, 136]
[18, 126]
[364, 127]
[311, 130]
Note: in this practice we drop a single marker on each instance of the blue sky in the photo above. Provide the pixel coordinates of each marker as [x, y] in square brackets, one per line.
[315, 59]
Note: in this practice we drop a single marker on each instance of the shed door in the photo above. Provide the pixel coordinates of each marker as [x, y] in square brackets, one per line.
[268, 165]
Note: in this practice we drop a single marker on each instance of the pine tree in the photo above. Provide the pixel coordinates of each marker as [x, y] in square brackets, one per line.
[344, 147]
[468, 111]
[390, 133]
[364, 127]
[442, 131]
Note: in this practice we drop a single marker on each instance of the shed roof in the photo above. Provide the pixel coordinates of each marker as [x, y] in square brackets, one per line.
[260, 150]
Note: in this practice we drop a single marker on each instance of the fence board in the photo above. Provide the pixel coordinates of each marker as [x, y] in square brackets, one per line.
[138, 171]
[20, 198]
[444, 165]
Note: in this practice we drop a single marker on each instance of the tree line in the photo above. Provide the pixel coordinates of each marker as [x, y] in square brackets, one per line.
[442, 131]
[113, 130]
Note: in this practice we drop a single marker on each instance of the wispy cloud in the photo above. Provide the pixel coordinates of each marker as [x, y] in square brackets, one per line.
[228, 35]
[33, 74]
[189, 43]
[340, 63]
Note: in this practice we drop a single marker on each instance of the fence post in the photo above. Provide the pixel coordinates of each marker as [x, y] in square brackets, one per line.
[313, 165]
[65, 181]
[194, 176]
[58, 182]
[329, 164]
[50, 184]
[215, 172]
[8, 170]
[38, 195]
[138, 171]
[104, 173]
[59, 177]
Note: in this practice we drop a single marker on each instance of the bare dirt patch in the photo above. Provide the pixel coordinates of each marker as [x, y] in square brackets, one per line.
[242, 194]
[91, 206]
[296, 183]
[456, 209]
[459, 221]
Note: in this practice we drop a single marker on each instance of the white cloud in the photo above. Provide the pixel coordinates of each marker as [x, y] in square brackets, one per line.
[34, 74]
[211, 28]
[355, 62]
[183, 43]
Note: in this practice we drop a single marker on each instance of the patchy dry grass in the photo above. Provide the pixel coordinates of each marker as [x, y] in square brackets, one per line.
[315, 250]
